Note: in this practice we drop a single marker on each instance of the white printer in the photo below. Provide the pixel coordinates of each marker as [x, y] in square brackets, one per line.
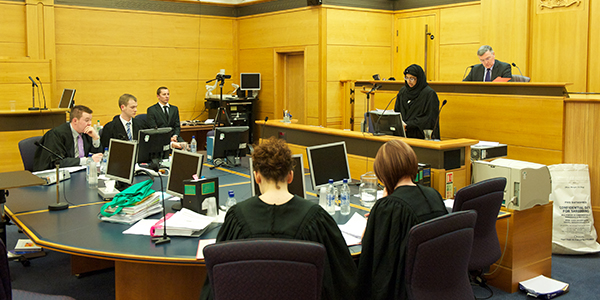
[527, 184]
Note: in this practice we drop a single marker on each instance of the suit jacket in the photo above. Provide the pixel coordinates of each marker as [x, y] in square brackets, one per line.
[115, 130]
[60, 140]
[156, 119]
[501, 69]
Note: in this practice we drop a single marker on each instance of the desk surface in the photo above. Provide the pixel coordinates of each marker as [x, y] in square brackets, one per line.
[79, 231]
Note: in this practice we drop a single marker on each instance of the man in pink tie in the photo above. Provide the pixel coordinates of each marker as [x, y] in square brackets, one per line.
[73, 141]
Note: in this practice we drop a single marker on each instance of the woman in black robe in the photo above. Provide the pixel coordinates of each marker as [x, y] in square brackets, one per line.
[418, 103]
[278, 214]
[405, 204]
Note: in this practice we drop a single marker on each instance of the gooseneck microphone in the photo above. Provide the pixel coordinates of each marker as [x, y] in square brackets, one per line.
[376, 129]
[59, 205]
[37, 143]
[33, 82]
[515, 65]
[469, 67]
[437, 121]
[33, 86]
[43, 94]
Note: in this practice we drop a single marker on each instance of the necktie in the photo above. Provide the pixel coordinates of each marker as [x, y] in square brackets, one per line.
[488, 75]
[166, 112]
[80, 146]
[129, 130]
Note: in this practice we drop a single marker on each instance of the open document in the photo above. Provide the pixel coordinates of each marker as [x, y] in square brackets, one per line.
[354, 229]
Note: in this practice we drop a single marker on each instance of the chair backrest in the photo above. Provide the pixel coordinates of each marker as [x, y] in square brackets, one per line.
[520, 78]
[142, 119]
[437, 256]
[27, 148]
[485, 197]
[265, 269]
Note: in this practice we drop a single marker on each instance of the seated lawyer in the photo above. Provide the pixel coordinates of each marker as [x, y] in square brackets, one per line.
[418, 103]
[278, 214]
[74, 141]
[123, 126]
[490, 68]
[405, 204]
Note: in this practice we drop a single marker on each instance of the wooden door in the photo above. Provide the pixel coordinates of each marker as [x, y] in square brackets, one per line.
[294, 86]
[411, 42]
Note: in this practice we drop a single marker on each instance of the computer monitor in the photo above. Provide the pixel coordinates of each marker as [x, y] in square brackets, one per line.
[66, 100]
[297, 186]
[153, 144]
[388, 123]
[328, 161]
[250, 81]
[230, 143]
[121, 160]
[183, 166]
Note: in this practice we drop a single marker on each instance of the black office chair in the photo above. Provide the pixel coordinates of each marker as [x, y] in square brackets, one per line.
[485, 197]
[265, 269]
[142, 119]
[437, 256]
[27, 148]
[520, 78]
[6, 291]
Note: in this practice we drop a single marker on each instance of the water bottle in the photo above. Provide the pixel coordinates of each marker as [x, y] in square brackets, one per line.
[104, 161]
[193, 144]
[345, 198]
[87, 168]
[330, 208]
[98, 127]
[93, 173]
[230, 200]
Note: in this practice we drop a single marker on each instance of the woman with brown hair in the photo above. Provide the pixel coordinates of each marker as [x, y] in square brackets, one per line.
[405, 204]
[278, 214]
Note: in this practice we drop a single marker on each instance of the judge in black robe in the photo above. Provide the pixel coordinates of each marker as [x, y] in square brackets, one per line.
[381, 263]
[418, 103]
[278, 214]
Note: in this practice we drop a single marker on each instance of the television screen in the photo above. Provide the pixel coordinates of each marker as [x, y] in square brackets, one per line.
[250, 81]
[153, 144]
[66, 100]
[183, 166]
[389, 123]
[121, 160]
[230, 143]
[328, 161]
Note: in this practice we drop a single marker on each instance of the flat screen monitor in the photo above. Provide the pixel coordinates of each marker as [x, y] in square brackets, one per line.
[388, 123]
[66, 100]
[183, 166]
[250, 81]
[153, 144]
[297, 186]
[328, 161]
[230, 142]
[121, 160]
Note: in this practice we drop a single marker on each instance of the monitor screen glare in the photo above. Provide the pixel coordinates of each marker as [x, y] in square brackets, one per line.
[121, 160]
[183, 167]
[328, 161]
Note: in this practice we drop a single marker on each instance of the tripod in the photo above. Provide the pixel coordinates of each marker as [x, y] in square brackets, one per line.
[221, 111]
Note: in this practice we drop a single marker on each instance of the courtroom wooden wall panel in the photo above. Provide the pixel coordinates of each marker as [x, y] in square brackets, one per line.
[507, 18]
[9, 148]
[460, 25]
[16, 86]
[12, 31]
[311, 58]
[454, 60]
[361, 62]
[559, 45]
[593, 75]
[359, 28]
[312, 103]
[410, 42]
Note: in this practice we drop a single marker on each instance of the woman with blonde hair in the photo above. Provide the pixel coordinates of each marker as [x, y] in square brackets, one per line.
[405, 204]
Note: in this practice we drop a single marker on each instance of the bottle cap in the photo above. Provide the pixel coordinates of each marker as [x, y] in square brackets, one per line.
[345, 180]
[330, 180]
[231, 194]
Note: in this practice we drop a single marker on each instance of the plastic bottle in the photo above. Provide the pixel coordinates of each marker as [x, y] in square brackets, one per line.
[230, 200]
[92, 173]
[98, 127]
[104, 161]
[193, 144]
[345, 198]
[330, 198]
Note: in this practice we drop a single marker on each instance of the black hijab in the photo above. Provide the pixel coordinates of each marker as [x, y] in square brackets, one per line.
[415, 70]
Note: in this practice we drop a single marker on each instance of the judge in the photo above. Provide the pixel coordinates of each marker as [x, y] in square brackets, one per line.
[278, 214]
[490, 68]
[123, 126]
[418, 103]
[405, 204]
[73, 141]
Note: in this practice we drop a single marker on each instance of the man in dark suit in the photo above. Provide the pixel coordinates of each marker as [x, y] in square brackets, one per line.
[163, 114]
[73, 141]
[490, 68]
[123, 126]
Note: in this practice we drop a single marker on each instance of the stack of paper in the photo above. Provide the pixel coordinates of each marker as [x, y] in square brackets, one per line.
[182, 223]
[542, 287]
[131, 214]
[354, 229]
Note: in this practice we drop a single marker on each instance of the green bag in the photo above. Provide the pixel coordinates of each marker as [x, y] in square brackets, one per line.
[128, 197]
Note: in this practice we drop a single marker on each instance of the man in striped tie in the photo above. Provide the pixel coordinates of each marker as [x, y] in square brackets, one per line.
[124, 126]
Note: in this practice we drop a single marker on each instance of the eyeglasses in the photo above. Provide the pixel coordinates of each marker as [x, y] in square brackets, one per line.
[411, 79]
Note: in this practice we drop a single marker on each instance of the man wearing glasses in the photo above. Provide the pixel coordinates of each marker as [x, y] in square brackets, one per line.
[490, 68]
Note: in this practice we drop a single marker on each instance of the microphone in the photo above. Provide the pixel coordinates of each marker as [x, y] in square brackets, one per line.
[379, 119]
[437, 121]
[33, 82]
[37, 143]
[43, 94]
[59, 205]
[469, 67]
[515, 65]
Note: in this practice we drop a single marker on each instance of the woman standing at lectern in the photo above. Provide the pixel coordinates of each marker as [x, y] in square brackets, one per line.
[418, 103]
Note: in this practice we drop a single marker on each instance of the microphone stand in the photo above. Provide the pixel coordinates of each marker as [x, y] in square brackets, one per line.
[364, 122]
[59, 205]
[33, 85]
[43, 94]
[437, 121]
[164, 238]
